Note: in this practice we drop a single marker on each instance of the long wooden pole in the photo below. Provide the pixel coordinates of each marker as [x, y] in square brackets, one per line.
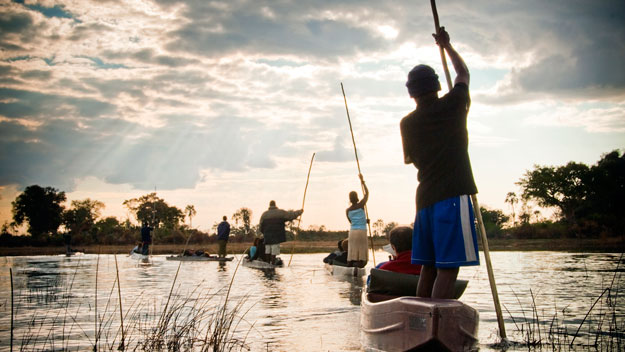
[97, 335]
[476, 206]
[12, 309]
[360, 173]
[299, 220]
[153, 219]
[440, 49]
[122, 345]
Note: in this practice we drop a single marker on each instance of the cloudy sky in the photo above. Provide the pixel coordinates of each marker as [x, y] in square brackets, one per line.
[221, 104]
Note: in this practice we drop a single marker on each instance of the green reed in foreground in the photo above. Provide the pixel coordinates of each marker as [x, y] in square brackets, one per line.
[193, 321]
[601, 329]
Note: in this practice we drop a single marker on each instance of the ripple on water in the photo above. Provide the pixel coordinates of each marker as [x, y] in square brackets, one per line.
[300, 307]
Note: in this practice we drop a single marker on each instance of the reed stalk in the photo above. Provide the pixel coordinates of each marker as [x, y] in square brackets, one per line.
[121, 312]
[12, 309]
[95, 320]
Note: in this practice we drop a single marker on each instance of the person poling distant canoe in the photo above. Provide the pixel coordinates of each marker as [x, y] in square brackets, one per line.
[272, 227]
[357, 252]
[146, 238]
[435, 141]
[223, 234]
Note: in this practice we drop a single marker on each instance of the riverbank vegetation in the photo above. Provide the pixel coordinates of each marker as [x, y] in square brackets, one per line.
[602, 328]
[185, 320]
[586, 204]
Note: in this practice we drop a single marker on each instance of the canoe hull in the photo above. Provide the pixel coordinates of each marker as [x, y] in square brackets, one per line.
[406, 323]
[72, 254]
[338, 270]
[258, 264]
[142, 259]
[198, 259]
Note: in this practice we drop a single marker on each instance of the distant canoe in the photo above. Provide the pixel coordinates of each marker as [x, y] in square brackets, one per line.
[338, 270]
[193, 258]
[258, 264]
[71, 254]
[143, 259]
[405, 322]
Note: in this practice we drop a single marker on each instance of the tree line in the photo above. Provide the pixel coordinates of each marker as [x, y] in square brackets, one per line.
[588, 202]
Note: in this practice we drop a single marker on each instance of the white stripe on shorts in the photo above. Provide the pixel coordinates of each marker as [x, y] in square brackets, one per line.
[469, 250]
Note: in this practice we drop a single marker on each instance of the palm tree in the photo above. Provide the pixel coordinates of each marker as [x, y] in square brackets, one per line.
[512, 199]
[189, 210]
[378, 227]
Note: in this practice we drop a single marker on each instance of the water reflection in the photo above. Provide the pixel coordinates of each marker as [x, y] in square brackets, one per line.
[300, 307]
[353, 292]
[273, 292]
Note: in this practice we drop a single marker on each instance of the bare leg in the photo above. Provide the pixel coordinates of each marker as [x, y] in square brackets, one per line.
[426, 281]
[444, 284]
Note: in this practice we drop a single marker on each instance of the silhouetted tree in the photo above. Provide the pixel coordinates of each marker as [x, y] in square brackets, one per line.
[242, 223]
[190, 212]
[41, 208]
[153, 210]
[589, 199]
[494, 219]
[378, 227]
[606, 192]
[82, 215]
[512, 199]
[387, 229]
[563, 187]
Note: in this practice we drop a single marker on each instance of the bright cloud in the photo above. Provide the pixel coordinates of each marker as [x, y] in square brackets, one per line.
[228, 99]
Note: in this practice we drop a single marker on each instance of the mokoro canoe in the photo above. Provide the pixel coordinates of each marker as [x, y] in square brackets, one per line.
[71, 254]
[400, 322]
[195, 258]
[391, 323]
[142, 259]
[338, 270]
[258, 264]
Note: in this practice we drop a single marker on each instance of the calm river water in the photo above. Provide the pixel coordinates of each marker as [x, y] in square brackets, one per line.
[296, 308]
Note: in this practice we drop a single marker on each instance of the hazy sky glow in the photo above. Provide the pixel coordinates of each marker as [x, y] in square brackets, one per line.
[221, 104]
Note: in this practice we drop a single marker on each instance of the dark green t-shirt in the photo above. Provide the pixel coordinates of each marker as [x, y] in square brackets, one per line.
[435, 140]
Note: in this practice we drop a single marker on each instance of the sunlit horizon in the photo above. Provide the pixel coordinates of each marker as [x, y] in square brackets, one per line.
[221, 105]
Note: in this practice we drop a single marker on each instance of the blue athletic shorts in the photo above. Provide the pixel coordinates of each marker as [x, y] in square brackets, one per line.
[444, 234]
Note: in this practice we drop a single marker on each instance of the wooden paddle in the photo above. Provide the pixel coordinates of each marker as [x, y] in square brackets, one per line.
[360, 173]
[303, 201]
[476, 206]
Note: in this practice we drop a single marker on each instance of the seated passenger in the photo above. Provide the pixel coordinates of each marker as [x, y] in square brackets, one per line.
[257, 250]
[137, 248]
[342, 258]
[251, 252]
[401, 242]
[201, 253]
[337, 252]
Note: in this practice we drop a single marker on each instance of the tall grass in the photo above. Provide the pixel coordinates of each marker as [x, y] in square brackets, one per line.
[601, 329]
[186, 321]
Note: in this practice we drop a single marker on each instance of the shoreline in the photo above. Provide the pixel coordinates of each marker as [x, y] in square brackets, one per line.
[609, 245]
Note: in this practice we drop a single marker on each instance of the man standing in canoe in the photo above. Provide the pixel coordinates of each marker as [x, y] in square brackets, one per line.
[272, 227]
[435, 141]
[146, 238]
[223, 234]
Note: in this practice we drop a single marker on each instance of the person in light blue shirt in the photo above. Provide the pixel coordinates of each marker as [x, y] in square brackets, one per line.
[357, 252]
